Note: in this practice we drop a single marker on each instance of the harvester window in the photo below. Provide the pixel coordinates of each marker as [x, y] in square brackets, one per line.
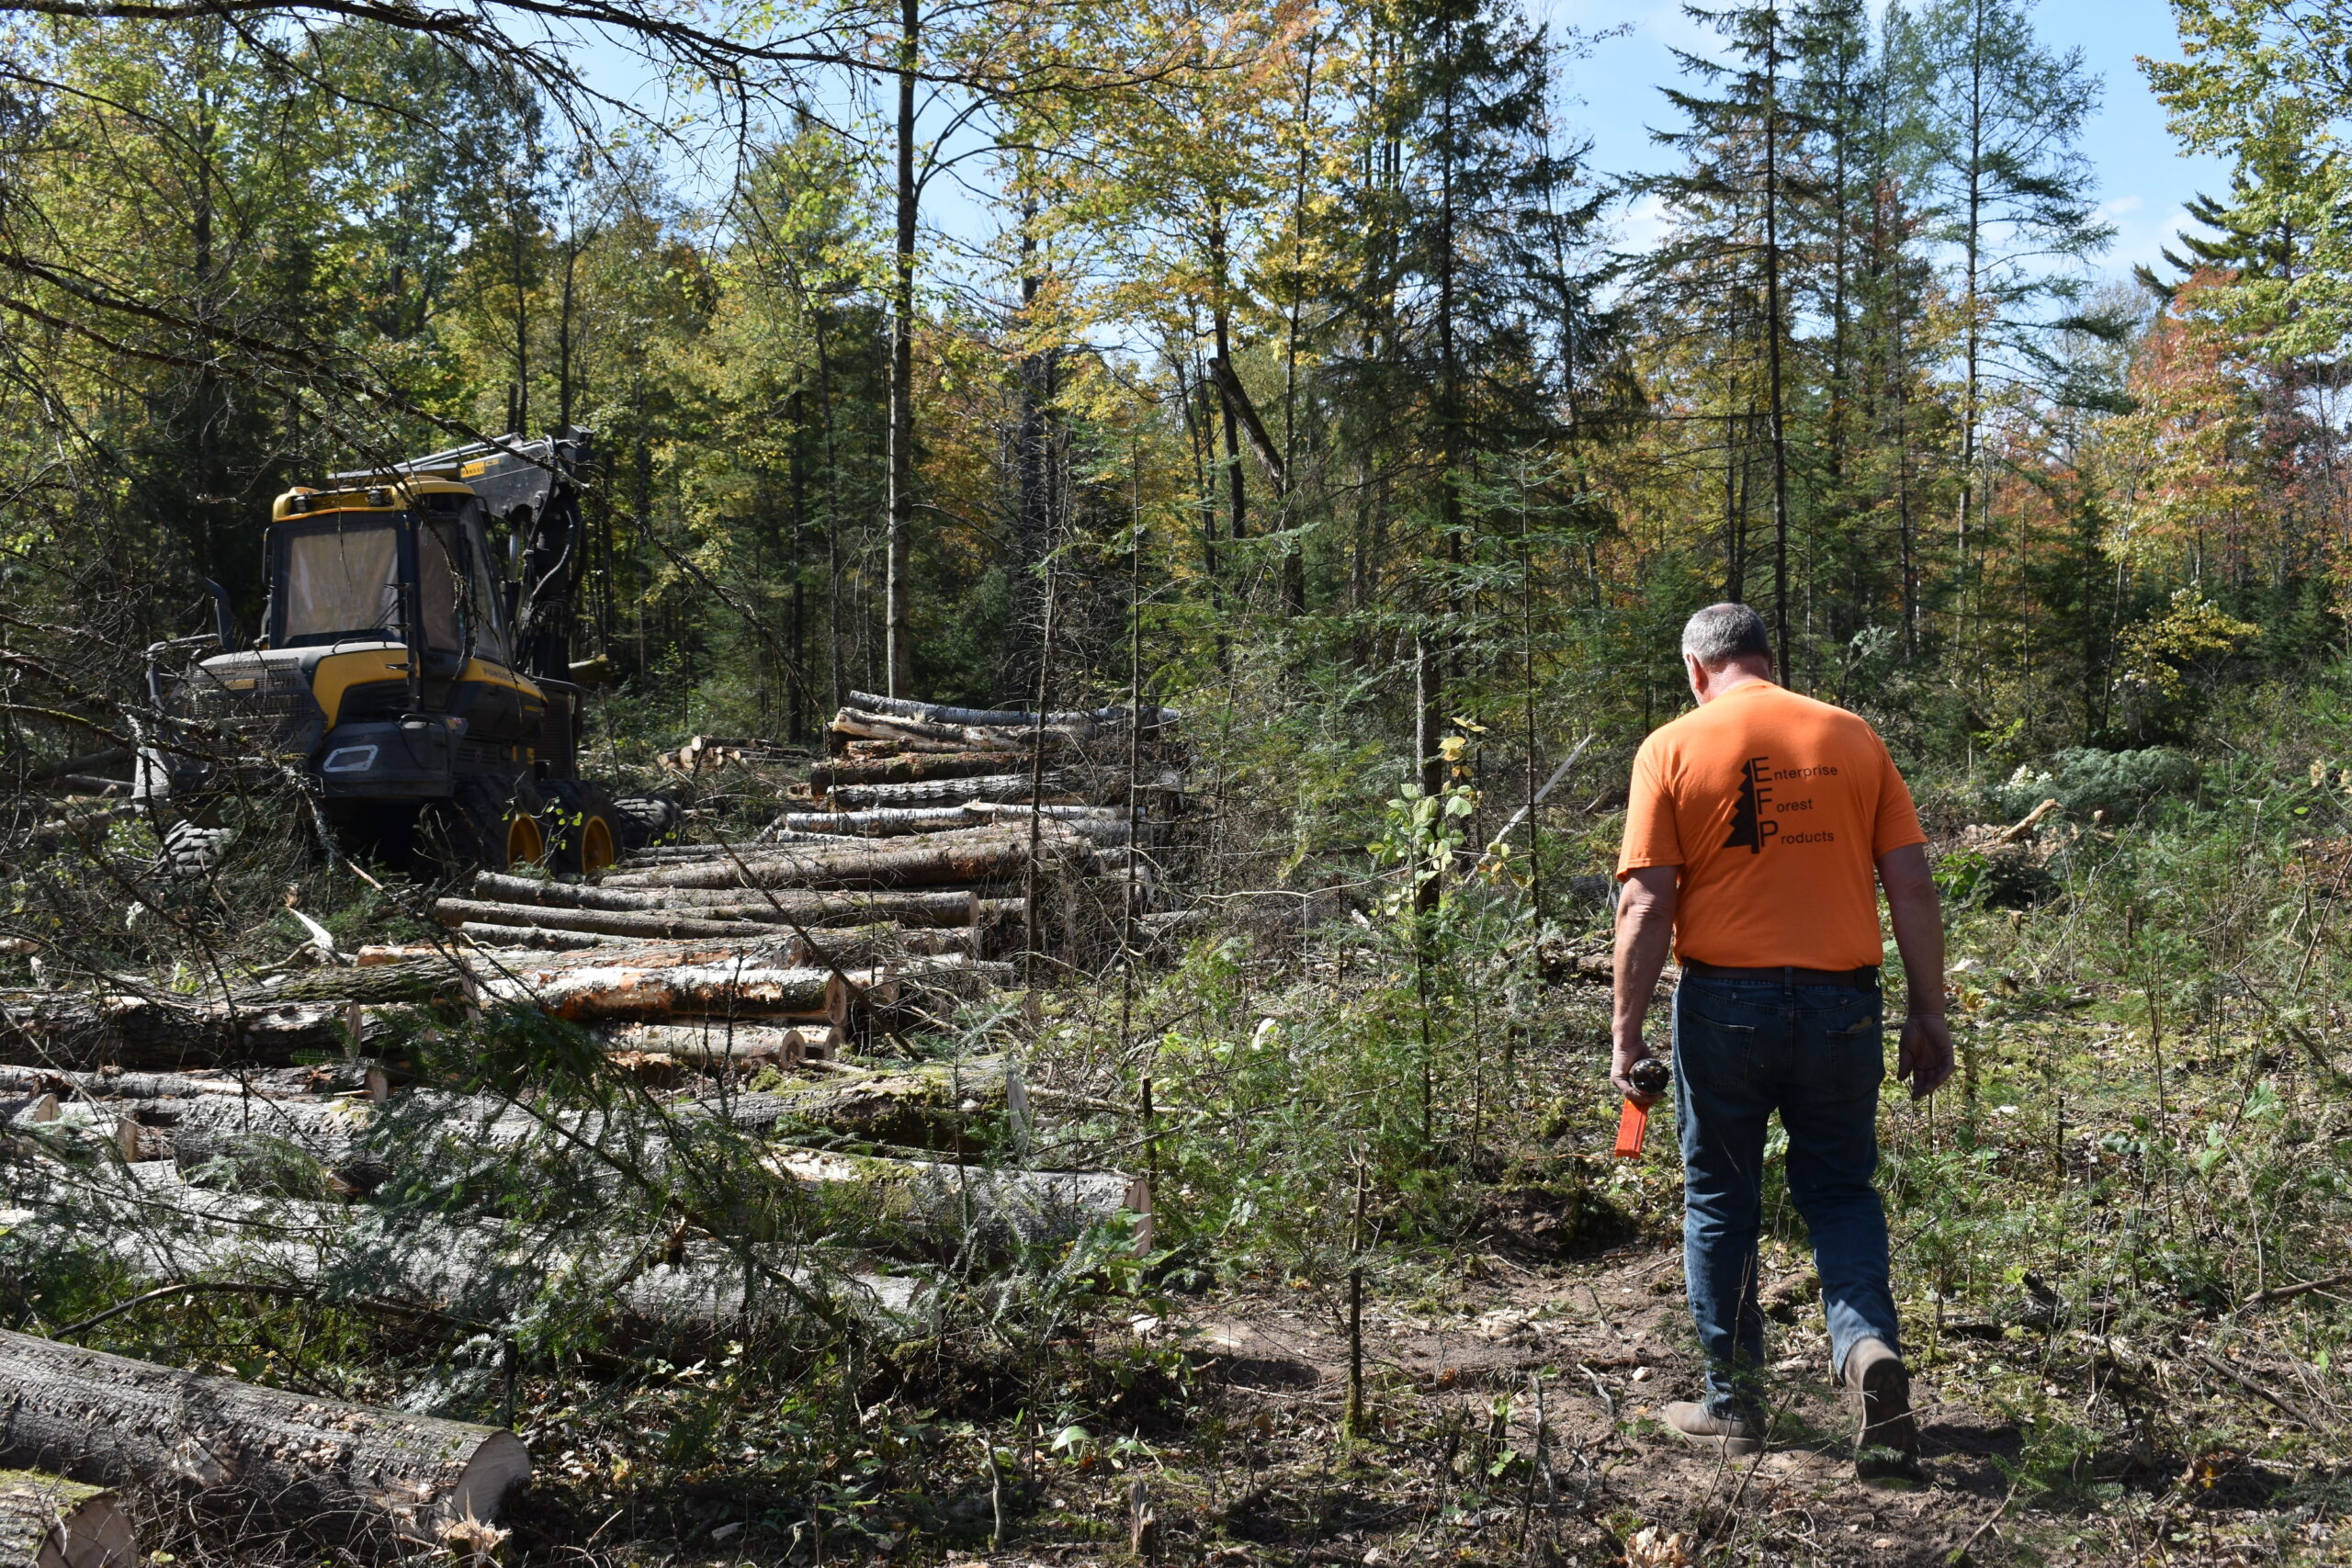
[436, 588]
[342, 581]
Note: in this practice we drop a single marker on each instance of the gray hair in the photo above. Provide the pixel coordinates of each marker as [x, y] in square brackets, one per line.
[1721, 633]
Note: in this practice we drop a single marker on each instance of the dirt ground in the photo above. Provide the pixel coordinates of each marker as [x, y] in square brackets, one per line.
[1453, 1469]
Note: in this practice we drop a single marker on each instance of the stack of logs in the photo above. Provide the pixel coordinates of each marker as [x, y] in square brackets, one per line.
[933, 840]
[937, 843]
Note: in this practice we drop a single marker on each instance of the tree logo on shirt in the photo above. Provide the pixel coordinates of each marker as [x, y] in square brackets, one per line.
[1749, 826]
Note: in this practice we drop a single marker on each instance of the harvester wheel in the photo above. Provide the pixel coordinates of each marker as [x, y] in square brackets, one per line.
[647, 820]
[485, 825]
[191, 849]
[583, 824]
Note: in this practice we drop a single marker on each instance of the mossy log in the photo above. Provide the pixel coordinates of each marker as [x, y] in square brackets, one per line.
[354, 1469]
[47, 1522]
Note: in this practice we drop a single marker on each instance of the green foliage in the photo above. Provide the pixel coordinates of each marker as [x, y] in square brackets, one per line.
[2082, 781]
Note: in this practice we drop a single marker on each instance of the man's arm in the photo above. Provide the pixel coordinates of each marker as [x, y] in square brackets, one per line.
[1924, 1055]
[1645, 936]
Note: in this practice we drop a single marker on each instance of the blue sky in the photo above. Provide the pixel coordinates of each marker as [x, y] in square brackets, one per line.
[2143, 180]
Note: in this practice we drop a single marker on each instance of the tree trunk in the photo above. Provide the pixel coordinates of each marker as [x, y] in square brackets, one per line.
[358, 1470]
[49, 1522]
[898, 614]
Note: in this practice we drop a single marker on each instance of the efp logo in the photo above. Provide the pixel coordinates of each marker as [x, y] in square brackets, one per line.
[1749, 826]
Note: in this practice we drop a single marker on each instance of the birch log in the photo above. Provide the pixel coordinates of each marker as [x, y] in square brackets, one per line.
[989, 854]
[798, 906]
[359, 1471]
[47, 1522]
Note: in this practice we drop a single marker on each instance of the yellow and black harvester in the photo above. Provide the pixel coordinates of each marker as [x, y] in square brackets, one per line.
[417, 675]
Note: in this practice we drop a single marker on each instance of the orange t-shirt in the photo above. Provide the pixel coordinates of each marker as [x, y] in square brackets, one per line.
[1777, 809]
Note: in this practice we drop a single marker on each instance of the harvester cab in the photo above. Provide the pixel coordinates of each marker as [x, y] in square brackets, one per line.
[413, 663]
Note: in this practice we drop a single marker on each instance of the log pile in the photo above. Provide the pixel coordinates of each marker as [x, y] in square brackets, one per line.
[937, 859]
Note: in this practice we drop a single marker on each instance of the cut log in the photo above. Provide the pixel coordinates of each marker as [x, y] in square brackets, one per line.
[920, 767]
[262, 1142]
[358, 1470]
[483, 1270]
[966, 1203]
[878, 824]
[540, 937]
[159, 1229]
[864, 726]
[939, 713]
[713, 1044]
[273, 1083]
[589, 993]
[991, 855]
[591, 925]
[802, 908]
[157, 1032]
[863, 947]
[934, 793]
[47, 1522]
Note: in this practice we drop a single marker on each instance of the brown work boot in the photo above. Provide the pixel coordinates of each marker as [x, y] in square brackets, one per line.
[1734, 1434]
[1888, 1443]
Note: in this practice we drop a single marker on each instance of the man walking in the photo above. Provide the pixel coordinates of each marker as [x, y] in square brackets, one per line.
[1754, 828]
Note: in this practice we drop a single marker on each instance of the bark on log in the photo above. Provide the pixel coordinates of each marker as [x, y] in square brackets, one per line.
[864, 947]
[803, 907]
[270, 1083]
[592, 992]
[992, 855]
[47, 1522]
[542, 937]
[590, 924]
[958, 1203]
[154, 1033]
[719, 1043]
[885, 822]
[864, 726]
[357, 1471]
[996, 787]
[918, 767]
[939, 713]
[483, 1270]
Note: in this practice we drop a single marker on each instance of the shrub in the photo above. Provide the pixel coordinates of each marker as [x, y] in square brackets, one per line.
[2082, 781]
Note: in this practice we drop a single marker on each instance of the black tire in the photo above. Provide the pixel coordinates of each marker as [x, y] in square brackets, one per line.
[191, 849]
[582, 826]
[648, 819]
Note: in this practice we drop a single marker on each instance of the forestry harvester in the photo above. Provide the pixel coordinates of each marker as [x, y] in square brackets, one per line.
[419, 678]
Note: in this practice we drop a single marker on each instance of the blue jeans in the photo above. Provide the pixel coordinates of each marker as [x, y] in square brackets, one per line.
[1744, 1049]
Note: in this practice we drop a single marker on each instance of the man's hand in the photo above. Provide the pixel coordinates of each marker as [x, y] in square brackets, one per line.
[1622, 1060]
[1924, 1055]
[1645, 905]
